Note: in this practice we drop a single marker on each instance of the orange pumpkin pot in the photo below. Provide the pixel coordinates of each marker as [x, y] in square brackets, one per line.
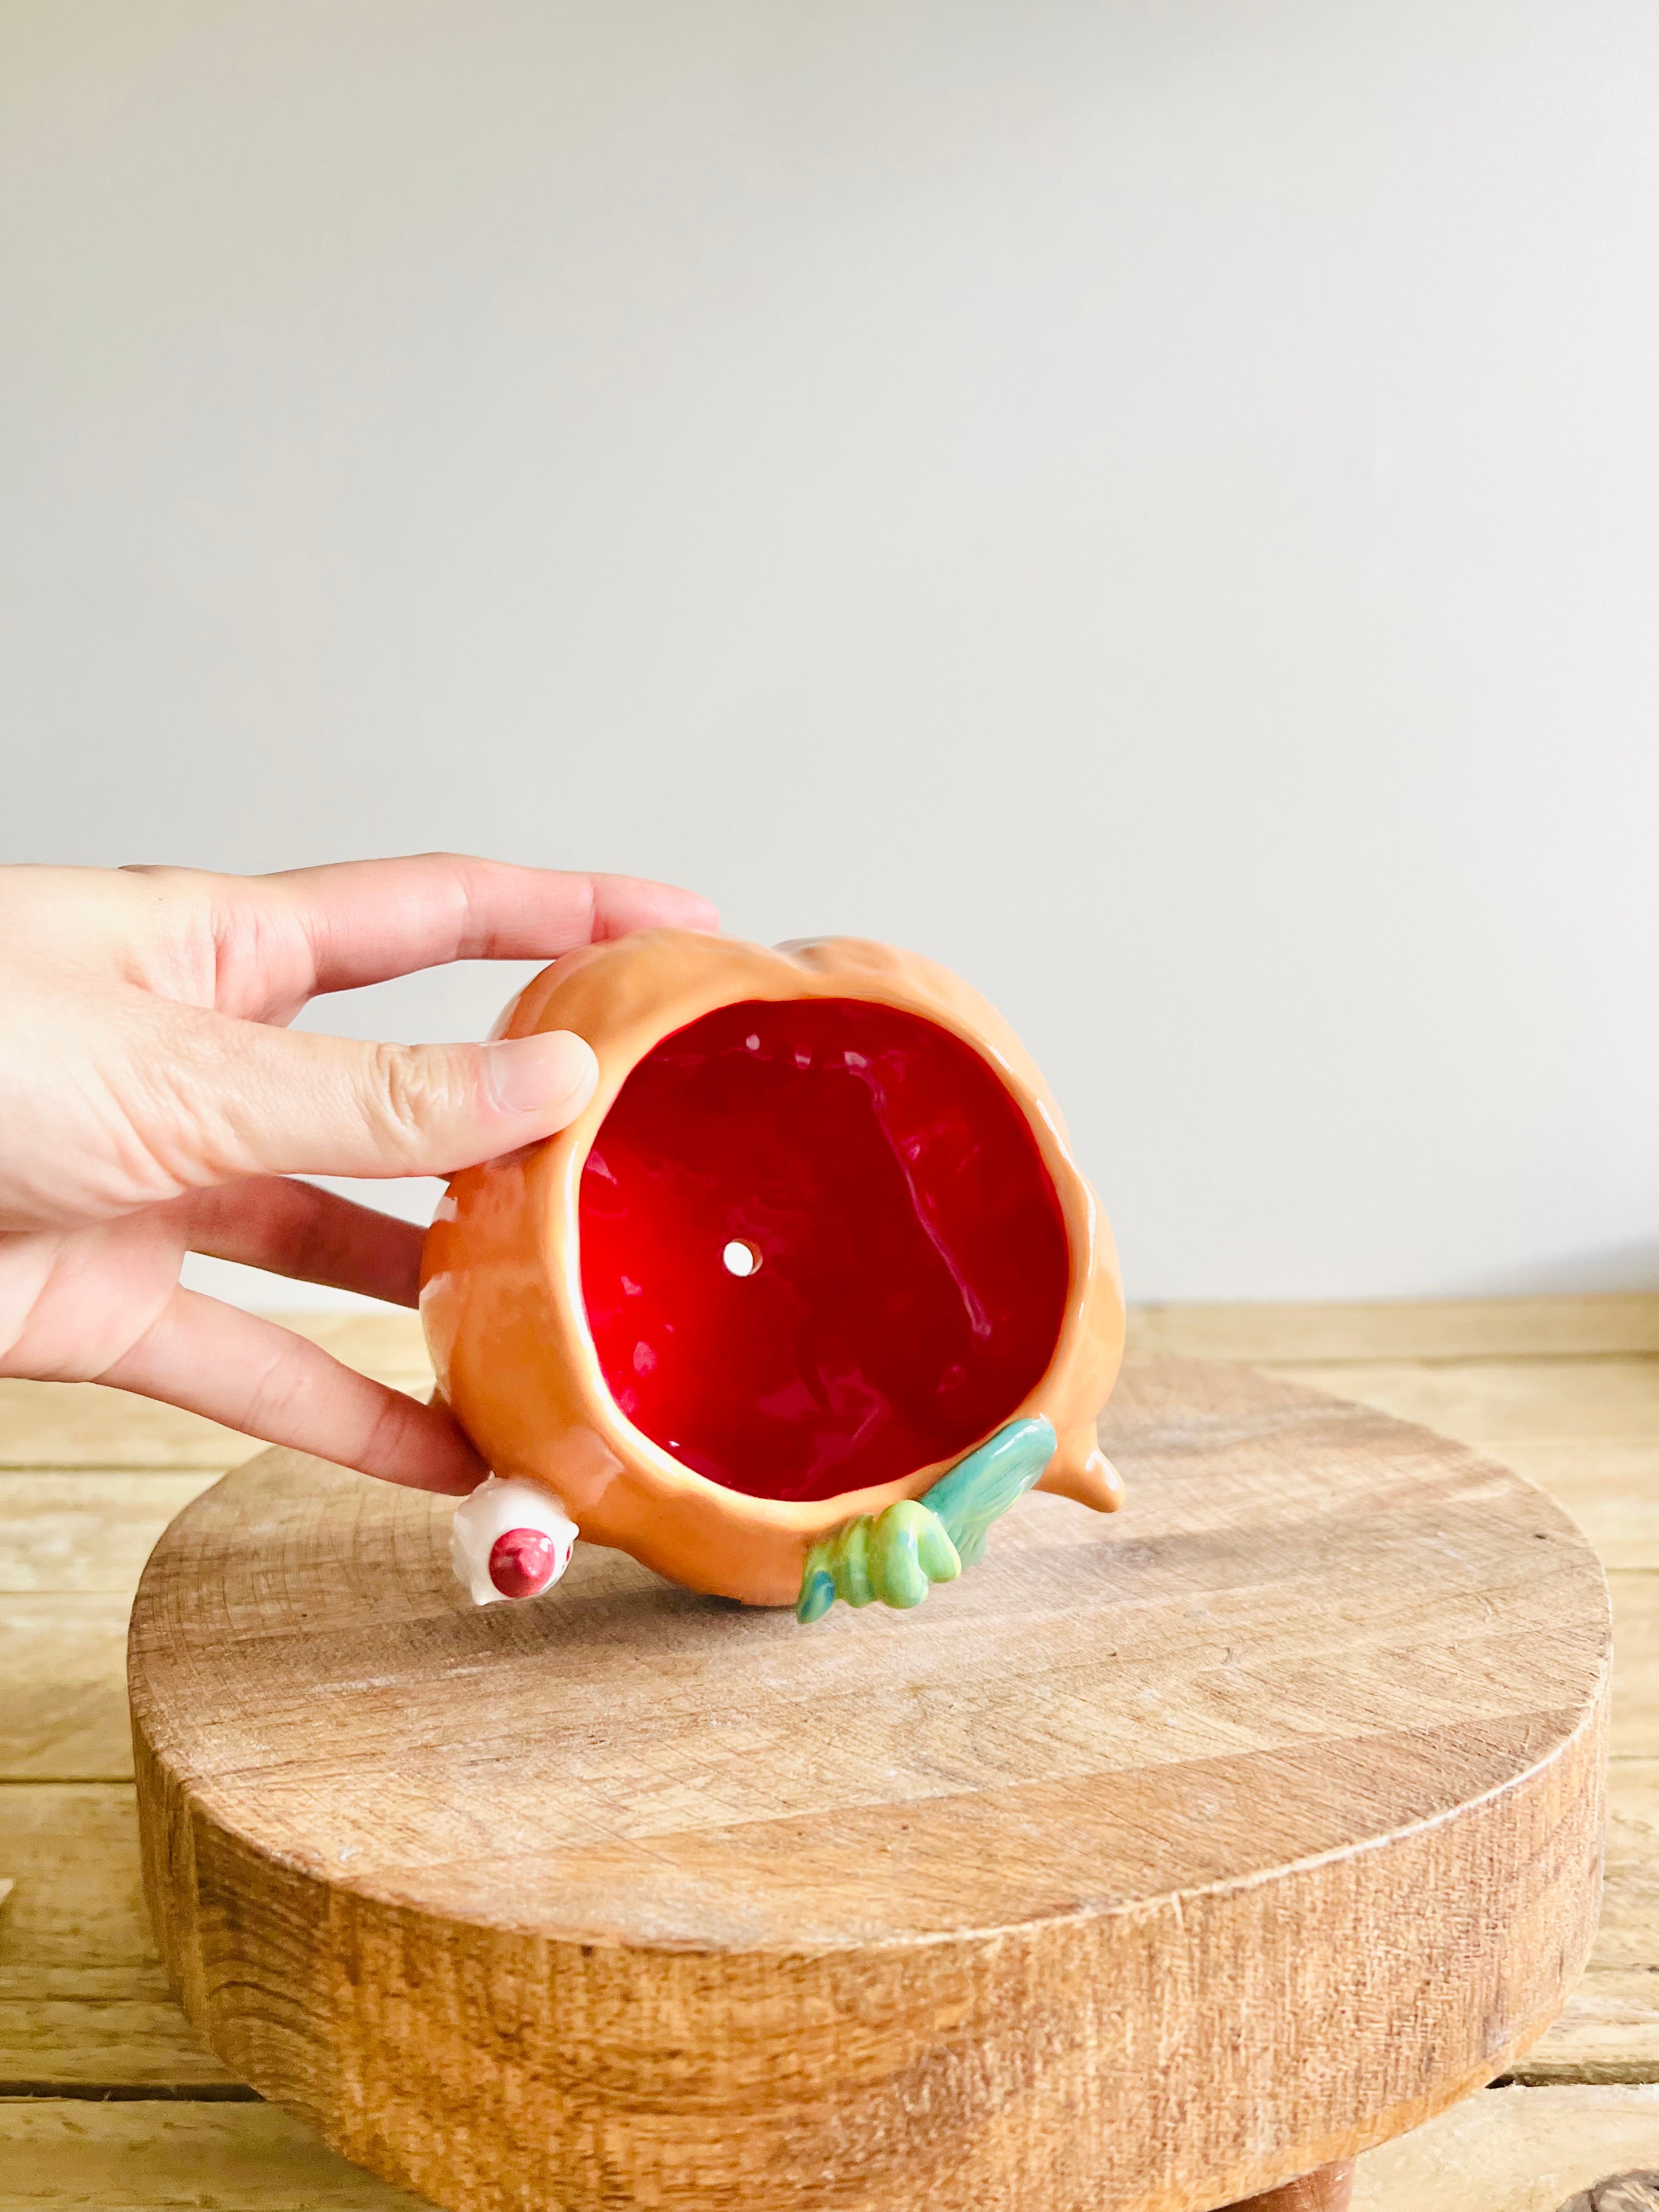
[817, 1241]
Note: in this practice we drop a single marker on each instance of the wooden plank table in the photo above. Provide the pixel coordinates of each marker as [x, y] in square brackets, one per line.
[110, 2101]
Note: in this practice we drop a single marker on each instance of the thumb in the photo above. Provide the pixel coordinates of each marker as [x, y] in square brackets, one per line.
[289, 1102]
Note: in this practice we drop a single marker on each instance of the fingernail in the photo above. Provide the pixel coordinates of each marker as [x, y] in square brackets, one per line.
[533, 1074]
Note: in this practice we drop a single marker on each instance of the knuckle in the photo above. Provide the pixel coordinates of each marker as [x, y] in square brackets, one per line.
[416, 1092]
[281, 1390]
[387, 1432]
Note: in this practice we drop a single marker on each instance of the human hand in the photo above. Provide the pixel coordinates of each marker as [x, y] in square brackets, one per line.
[153, 1102]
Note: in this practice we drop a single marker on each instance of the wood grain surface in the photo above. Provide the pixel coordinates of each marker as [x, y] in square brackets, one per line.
[1155, 1863]
[1514, 2150]
[1509, 2150]
[83, 2002]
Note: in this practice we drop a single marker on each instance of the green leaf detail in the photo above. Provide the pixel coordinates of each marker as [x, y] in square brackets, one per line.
[897, 1555]
[980, 1488]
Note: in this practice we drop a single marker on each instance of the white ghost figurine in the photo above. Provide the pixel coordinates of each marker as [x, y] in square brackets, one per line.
[511, 1539]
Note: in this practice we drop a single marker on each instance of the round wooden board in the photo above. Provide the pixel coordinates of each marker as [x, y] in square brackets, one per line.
[1160, 1858]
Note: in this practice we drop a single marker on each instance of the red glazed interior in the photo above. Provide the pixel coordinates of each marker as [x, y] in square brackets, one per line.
[907, 1260]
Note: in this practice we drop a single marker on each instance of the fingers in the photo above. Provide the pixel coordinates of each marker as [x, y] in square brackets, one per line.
[314, 1236]
[368, 919]
[231, 1099]
[253, 1375]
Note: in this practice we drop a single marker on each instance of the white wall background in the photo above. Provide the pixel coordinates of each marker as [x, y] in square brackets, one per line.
[1156, 505]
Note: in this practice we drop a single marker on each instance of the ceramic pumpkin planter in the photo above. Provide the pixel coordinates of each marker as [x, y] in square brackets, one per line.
[811, 1291]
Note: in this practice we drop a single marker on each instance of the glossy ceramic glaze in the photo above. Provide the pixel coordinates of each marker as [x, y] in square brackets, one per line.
[906, 1258]
[510, 1540]
[818, 1237]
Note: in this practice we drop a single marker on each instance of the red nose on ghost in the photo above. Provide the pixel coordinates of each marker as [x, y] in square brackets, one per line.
[523, 1562]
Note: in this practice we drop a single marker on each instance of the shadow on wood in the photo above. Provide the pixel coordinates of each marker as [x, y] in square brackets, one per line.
[1329, 2190]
